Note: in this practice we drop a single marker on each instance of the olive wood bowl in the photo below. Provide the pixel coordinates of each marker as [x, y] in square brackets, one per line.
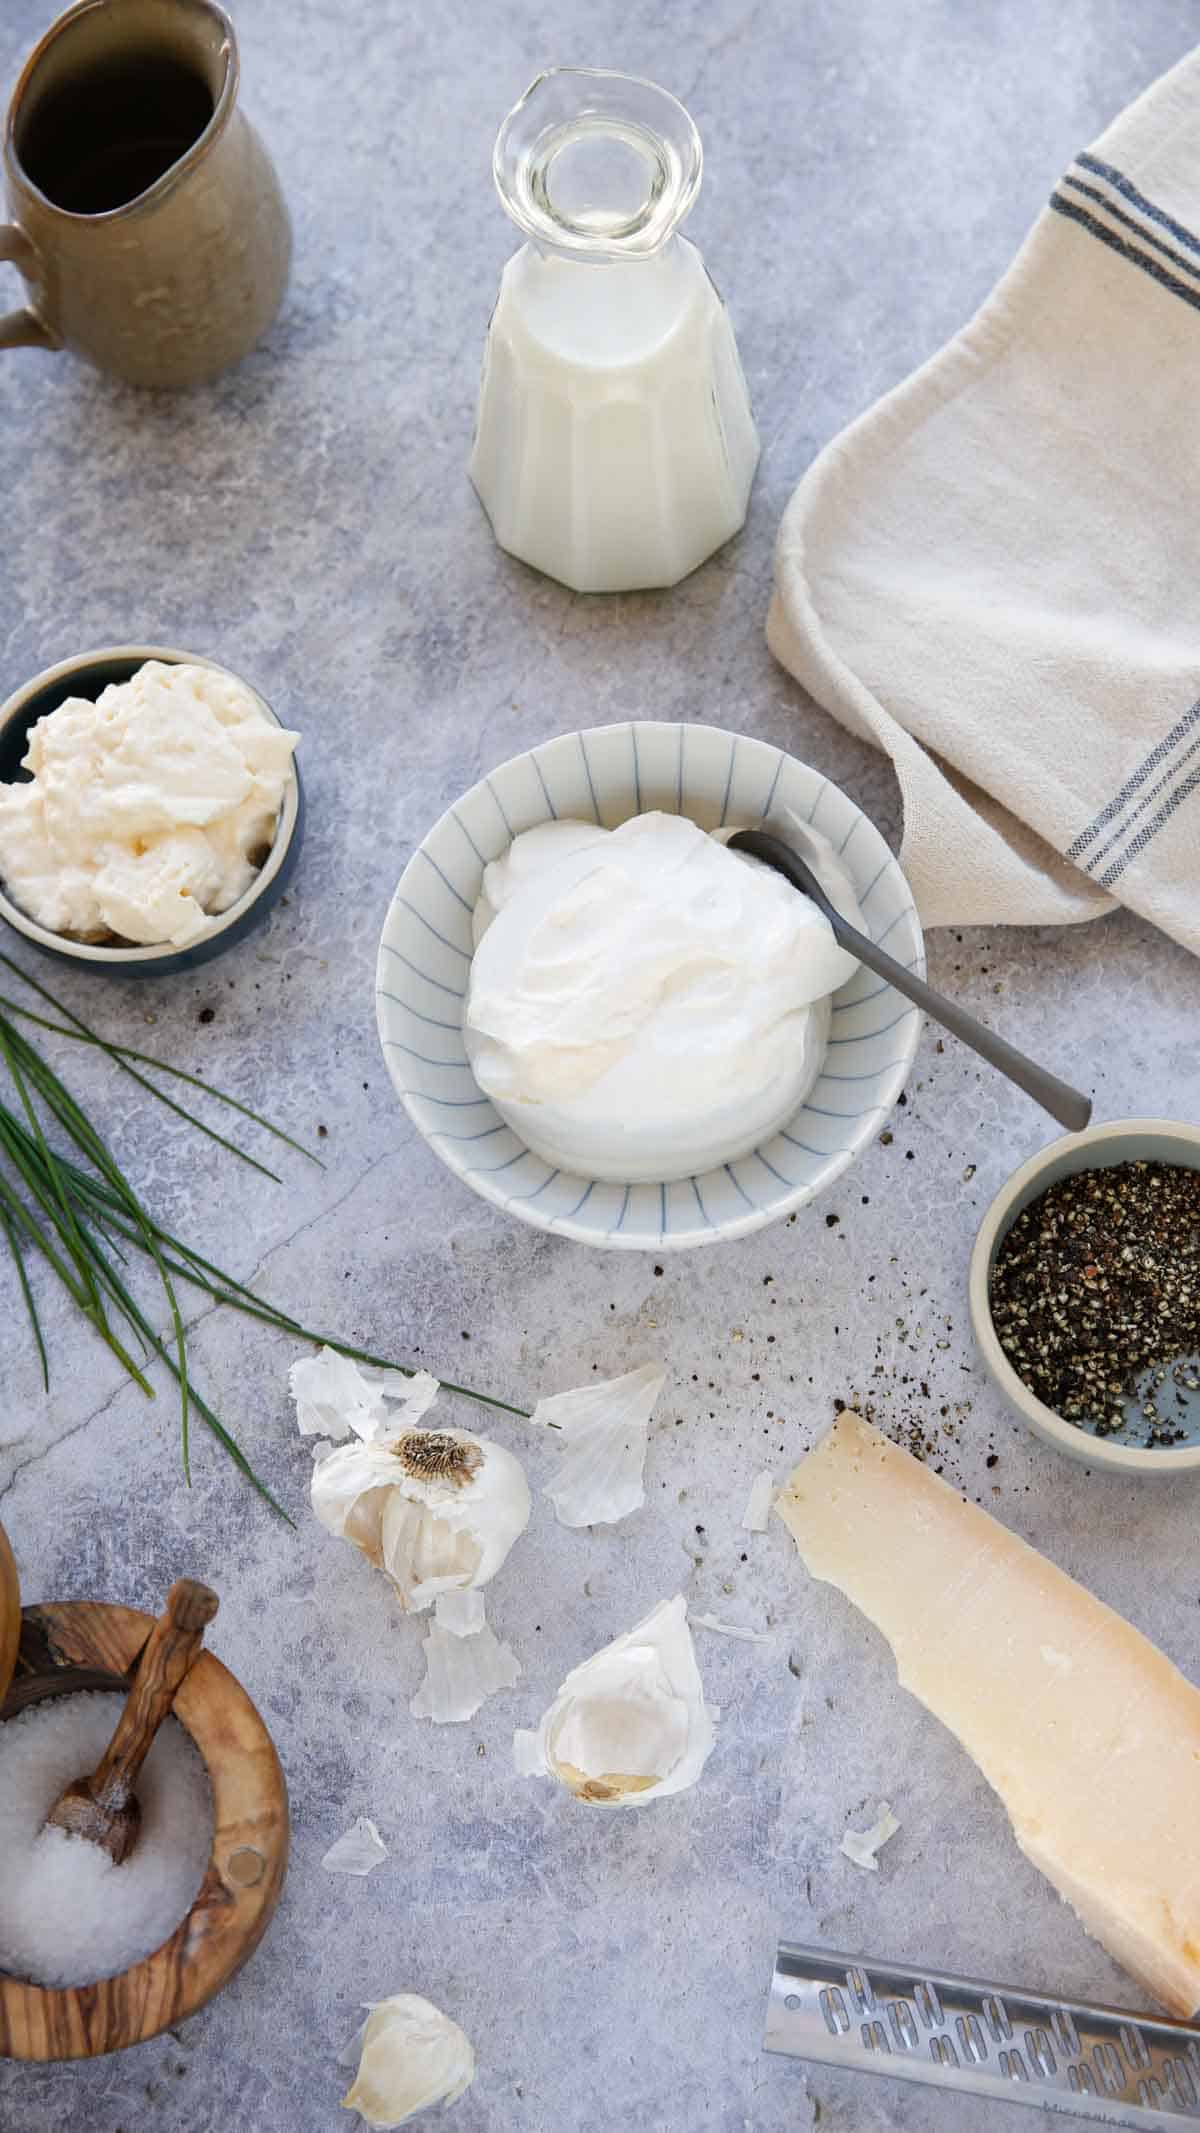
[83, 1644]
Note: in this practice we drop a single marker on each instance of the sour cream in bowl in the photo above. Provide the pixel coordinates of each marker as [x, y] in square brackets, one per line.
[613, 1028]
[644, 1003]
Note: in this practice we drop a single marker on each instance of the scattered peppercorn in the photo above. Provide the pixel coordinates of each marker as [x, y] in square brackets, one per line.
[1095, 1297]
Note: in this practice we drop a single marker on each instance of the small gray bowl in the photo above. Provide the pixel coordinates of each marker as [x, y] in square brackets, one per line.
[1124, 1140]
[86, 674]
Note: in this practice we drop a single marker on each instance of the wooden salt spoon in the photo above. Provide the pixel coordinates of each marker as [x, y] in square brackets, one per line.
[104, 1808]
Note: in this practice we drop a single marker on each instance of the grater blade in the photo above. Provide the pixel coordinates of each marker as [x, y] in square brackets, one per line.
[985, 2040]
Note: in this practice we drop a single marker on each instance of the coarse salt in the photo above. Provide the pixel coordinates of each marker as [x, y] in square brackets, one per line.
[68, 1915]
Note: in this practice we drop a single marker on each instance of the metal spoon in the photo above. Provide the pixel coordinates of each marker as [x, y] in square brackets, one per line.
[1064, 1103]
[104, 1807]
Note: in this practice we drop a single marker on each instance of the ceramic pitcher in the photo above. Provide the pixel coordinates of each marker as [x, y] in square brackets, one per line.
[146, 217]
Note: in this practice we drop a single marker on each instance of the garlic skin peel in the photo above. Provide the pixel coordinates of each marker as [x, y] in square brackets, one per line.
[412, 2056]
[461, 1672]
[605, 1429]
[630, 1725]
[333, 1397]
[864, 1845]
[437, 1509]
[359, 1852]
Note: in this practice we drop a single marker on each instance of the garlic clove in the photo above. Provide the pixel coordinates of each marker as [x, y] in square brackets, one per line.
[411, 2056]
[461, 1673]
[358, 1852]
[349, 1489]
[605, 1428]
[437, 1509]
[630, 1724]
[423, 1555]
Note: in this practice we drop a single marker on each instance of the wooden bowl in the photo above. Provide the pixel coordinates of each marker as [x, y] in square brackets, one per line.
[82, 1644]
[10, 1613]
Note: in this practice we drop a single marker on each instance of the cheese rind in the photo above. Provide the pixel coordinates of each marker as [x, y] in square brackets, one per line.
[1090, 1736]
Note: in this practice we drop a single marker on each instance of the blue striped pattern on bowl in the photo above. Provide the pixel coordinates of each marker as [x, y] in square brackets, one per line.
[605, 776]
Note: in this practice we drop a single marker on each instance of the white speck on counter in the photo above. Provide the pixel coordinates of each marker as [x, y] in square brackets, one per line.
[758, 1504]
[68, 1915]
[862, 1845]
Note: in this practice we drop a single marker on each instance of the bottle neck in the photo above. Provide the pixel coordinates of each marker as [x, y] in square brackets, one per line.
[597, 166]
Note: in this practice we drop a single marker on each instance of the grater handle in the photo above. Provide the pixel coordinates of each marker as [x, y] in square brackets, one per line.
[1059, 2056]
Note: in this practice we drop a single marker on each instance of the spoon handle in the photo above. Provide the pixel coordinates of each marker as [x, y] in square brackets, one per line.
[162, 1663]
[1069, 1106]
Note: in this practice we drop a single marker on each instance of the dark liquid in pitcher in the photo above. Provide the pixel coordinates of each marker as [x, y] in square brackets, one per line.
[104, 137]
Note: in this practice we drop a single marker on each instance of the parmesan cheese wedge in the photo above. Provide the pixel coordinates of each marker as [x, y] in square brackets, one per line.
[1087, 1732]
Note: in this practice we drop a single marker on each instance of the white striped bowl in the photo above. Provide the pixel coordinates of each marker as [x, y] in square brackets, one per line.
[606, 776]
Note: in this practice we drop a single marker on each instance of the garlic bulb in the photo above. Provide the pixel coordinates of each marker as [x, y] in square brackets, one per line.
[412, 2056]
[437, 1509]
[630, 1724]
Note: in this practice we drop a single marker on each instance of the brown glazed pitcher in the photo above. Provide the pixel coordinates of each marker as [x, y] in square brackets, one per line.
[147, 218]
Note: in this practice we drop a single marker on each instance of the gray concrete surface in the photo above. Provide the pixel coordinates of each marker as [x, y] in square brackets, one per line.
[870, 170]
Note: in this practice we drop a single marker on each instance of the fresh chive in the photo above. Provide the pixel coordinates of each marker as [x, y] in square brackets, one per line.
[18, 1260]
[72, 1208]
[81, 1033]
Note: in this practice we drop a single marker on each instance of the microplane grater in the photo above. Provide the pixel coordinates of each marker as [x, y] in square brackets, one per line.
[986, 2040]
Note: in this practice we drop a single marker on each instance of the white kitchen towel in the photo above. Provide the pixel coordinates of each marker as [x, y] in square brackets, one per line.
[995, 573]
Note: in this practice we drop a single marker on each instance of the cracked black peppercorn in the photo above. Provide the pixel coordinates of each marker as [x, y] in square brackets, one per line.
[1095, 1298]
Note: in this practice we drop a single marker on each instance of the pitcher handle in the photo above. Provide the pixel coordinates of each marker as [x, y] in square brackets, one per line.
[23, 329]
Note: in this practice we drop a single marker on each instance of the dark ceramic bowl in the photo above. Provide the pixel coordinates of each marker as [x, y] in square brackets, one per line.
[86, 675]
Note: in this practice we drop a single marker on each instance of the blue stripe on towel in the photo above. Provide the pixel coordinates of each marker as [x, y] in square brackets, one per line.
[1093, 192]
[1149, 266]
[1133, 814]
[1126, 187]
[1146, 835]
[1158, 754]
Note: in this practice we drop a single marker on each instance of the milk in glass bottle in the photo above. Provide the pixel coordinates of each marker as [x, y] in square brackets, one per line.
[615, 447]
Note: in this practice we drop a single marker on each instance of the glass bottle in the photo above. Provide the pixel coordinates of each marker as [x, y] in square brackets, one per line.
[615, 447]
